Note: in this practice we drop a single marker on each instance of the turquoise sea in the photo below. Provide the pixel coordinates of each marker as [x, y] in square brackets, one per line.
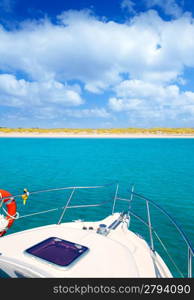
[161, 169]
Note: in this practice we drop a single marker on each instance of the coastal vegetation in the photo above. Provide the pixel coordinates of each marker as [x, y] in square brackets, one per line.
[157, 131]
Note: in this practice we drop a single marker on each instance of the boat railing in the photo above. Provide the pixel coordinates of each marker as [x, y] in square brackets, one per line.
[148, 224]
[129, 211]
[64, 208]
[176, 225]
[159, 240]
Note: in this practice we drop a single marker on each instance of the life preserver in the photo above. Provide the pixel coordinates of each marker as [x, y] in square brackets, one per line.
[11, 211]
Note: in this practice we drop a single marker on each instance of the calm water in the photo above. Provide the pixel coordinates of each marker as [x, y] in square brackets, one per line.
[161, 169]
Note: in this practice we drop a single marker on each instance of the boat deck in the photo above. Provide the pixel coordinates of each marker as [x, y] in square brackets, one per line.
[121, 253]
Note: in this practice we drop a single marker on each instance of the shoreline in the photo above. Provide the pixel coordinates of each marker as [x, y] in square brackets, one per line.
[66, 135]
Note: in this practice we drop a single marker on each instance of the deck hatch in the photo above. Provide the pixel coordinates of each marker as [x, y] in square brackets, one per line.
[57, 251]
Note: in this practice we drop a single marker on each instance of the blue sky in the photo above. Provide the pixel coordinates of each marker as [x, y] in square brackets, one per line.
[97, 64]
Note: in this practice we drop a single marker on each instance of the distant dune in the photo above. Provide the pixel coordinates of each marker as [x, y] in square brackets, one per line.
[113, 132]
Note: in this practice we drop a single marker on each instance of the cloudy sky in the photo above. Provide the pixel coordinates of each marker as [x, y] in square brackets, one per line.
[84, 63]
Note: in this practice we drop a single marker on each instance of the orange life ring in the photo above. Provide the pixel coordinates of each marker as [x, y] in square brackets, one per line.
[11, 209]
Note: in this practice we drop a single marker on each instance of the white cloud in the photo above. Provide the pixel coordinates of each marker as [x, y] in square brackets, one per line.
[57, 114]
[150, 100]
[22, 93]
[129, 5]
[46, 113]
[150, 51]
[47, 100]
[142, 89]
[124, 104]
[88, 113]
[170, 7]
[97, 52]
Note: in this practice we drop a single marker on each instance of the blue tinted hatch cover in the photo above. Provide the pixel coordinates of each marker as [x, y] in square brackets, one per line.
[57, 251]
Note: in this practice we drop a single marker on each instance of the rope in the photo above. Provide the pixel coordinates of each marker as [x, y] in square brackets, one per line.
[16, 217]
[1, 203]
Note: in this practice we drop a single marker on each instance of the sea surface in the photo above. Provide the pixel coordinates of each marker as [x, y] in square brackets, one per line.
[160, 169]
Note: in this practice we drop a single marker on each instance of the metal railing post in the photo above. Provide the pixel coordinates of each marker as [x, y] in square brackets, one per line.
[179, 229]
[132, 195]
[150, 226]
[116, 192]
[189, 263]
[61, 217]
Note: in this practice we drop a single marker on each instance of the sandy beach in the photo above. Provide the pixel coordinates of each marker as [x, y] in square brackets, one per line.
[69, 135]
